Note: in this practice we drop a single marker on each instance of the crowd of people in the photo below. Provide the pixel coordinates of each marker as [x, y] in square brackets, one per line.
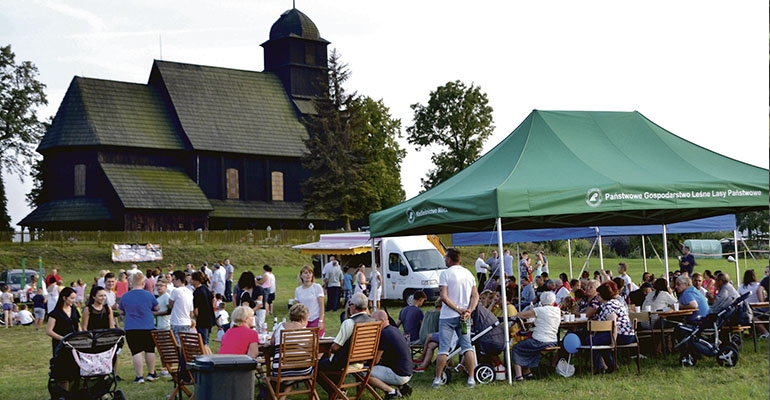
[191, 299]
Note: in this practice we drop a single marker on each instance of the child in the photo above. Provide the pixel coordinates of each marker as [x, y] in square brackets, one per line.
[80, 292]
[7, 299]
[162, 319]
[38, 306]
[24, 317]
[347, 285]
[222, 320]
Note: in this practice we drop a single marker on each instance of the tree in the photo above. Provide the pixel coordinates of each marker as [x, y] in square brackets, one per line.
[458, 119]
[20, 129]
[353, 157]
[755, 222]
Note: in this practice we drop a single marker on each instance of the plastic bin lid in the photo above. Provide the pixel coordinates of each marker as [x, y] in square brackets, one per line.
[223, 362]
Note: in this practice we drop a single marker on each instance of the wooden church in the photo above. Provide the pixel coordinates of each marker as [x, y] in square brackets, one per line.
[196, 147]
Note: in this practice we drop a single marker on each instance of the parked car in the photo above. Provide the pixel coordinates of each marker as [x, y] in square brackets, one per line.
[12, 277]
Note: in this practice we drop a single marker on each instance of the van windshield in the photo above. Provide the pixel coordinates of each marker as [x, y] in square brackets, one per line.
[425, 260]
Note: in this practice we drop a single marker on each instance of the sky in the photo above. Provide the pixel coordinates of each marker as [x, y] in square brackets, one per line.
[697, 68]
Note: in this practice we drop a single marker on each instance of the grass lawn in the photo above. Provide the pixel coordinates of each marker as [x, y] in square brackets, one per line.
[26, 352]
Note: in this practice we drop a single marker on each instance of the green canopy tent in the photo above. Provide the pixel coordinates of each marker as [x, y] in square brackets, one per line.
[581, 168]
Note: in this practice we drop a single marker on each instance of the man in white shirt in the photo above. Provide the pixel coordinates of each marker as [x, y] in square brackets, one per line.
[508, 263]
[180, 305]
[327, 267]
[481, 269]
[460, 297]
[130, 273]
[229, 272]
[218, 279]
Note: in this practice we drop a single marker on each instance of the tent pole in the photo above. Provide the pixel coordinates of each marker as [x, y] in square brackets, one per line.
[644, 254]
[665, 250]
[569, 255]
[505, 302]
[601, 253]
[737, 261]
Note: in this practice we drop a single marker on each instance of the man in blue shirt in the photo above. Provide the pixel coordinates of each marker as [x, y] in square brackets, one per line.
[411, 317]
[691, 298]
[687, 262]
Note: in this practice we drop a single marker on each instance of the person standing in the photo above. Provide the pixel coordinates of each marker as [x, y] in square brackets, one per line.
[97, 314]
[508, 263]
[138, 306]
[361, 283]
[229, 273]
[481, 269]
[375, 288]
[460, 297]
[687, 262]
[311, 295]
[162, 318]
[333, 283]
[180, 305]
[203, 308]
[218, 278]
[328, 266]
[268, 286]
[347, 285]
[63, 320]
[494, 263]
[525, 267]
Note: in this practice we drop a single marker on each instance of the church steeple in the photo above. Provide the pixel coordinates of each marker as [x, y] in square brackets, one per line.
[297, 54]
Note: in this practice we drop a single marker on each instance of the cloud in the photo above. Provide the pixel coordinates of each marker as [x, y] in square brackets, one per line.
[93, 20]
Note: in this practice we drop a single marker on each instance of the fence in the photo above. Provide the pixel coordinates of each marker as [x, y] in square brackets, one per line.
[276, 237]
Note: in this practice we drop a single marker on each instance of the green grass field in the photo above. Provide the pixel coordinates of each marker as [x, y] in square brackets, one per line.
[26, 352]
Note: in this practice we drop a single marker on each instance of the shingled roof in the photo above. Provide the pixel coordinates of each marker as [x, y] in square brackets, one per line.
[101, 112]
[149, 187]
[68, 210]
[256, 209]
[234, 111]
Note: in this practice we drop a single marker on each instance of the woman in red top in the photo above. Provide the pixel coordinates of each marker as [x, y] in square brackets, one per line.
[121, 286]
[241, 338]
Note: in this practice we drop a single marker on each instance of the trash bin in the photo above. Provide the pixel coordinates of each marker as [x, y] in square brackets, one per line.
[223, 376]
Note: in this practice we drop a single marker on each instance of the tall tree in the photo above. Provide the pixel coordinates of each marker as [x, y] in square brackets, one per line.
[458, 120]
[353, 157]
[20, 129]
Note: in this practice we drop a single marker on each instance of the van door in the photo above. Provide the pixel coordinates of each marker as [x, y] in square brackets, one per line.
[396, 277]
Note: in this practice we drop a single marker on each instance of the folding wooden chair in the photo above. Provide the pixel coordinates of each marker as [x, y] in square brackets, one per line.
[595, 327]
[192, 346]
[362, 357]
[169, 358]
[631, 346]
[297, 363]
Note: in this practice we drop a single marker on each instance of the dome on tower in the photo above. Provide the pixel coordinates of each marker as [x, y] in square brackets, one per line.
[293, 23]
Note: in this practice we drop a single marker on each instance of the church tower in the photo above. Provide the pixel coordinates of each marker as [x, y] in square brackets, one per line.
[297, 54]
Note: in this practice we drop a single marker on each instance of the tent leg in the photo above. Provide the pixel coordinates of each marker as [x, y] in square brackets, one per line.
[737, 262]
[503, 293]
[665, 250]
[569, 255]
[644, 254]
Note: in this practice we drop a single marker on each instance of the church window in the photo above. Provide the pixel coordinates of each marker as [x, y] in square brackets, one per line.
[232, 184]
[277, 184]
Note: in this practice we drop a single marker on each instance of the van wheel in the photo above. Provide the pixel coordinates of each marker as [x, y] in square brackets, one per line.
[409, 296]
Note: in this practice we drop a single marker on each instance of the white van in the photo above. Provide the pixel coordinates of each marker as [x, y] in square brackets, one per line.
[407, 263]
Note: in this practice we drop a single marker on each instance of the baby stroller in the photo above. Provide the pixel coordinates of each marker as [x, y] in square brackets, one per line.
[488, 339]
[94, 353]
[703, 337]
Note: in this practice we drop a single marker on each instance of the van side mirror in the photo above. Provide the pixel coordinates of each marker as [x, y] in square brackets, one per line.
[403, 270]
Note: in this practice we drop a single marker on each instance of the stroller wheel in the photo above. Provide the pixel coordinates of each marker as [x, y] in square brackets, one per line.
[118, 395]
[727, 356]
[446, 376]
[688, 360]
[484, 373]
